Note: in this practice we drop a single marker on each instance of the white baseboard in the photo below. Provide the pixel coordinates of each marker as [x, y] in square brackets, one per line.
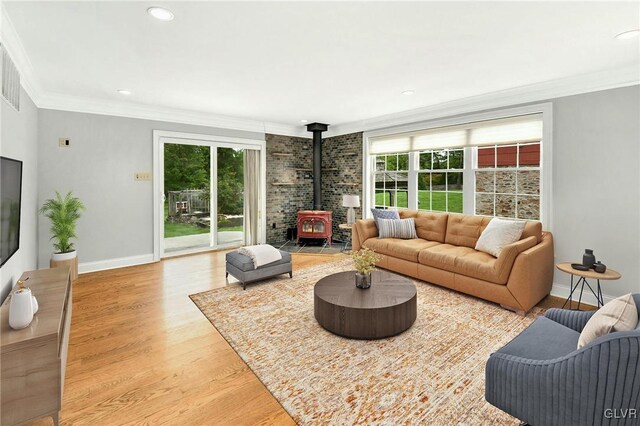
[119, 262]
[563, 290]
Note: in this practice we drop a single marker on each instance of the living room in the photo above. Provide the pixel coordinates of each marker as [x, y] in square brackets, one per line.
[423, 209]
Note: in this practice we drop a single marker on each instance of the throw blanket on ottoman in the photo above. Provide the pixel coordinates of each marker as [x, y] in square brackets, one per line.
[247, 268]
[262, 254]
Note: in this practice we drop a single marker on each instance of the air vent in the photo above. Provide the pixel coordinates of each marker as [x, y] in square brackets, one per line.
[10, 80]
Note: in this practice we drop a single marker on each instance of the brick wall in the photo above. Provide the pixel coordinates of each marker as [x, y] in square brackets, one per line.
[344, 154]
[283, 202]
[342, 174]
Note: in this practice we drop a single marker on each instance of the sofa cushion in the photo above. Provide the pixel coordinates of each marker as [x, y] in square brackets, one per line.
[544, 339]
[473, 263]
[443, 256]
[429, 226]
[464, 230]
[401, 249]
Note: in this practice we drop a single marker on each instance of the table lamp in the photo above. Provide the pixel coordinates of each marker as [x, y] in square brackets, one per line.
[350, 201]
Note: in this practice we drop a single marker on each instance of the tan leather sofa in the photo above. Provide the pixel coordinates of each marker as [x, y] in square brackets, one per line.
[444, 254]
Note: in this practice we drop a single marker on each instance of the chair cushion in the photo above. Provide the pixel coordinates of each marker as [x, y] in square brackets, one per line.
[245, 263]
[401, 249]
[542, 340]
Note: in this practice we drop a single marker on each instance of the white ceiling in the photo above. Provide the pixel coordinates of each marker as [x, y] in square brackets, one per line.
[330, 62]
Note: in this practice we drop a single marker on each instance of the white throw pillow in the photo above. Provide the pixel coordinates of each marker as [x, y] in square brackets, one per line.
[498, 234]
[620, 314]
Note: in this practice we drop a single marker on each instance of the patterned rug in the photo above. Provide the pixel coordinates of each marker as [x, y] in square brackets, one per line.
[431, 374]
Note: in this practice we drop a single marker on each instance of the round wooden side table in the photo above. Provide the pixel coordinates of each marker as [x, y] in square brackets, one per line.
[346, 226]
[609, 274]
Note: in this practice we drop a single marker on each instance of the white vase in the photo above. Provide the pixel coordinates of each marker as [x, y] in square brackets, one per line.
[34, 303]
[59, 257]
[21, 308]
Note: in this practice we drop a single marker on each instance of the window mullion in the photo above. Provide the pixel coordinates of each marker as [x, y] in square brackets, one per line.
[412, 195]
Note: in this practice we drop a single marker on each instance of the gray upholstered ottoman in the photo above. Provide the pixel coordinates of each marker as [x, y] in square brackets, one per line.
[241, 267]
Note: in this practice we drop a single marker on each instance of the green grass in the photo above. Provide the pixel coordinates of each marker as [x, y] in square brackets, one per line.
[438, 199]
[182, 229]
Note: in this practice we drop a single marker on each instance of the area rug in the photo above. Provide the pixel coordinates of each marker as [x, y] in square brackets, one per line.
[431, 374]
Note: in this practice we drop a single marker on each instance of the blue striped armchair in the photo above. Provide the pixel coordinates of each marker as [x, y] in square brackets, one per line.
[543, 380]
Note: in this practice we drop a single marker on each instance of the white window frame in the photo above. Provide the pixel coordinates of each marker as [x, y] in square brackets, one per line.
[517, 168]
[546, 158]
[160, 137]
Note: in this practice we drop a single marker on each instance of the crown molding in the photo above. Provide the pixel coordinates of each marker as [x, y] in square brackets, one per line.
[12, 43]
[165, 114]
[545, 91]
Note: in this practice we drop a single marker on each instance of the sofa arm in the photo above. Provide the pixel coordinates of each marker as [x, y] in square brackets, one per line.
[532, 274]
[575, 320]
[584, 387]
[362, 230]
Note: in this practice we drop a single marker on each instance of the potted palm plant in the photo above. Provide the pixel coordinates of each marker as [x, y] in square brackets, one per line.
[63, 212]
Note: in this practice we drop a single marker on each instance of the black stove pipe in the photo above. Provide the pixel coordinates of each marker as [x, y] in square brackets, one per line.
[317, 129]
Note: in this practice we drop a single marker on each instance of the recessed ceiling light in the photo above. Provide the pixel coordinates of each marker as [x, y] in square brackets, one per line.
[408, 92]
[124, 92]
[160, 13]
[628, 34]
[303, 121]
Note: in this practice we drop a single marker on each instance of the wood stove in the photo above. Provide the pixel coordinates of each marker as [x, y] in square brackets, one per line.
[314, 224]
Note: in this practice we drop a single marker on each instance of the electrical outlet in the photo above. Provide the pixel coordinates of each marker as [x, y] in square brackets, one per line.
[143, 176]
[64, 142]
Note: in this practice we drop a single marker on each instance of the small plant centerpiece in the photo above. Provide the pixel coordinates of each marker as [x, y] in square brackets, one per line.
[364, 261]
[63, 212]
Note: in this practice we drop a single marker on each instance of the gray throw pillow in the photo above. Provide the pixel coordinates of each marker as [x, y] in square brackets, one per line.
[397, 228]
[384, 214]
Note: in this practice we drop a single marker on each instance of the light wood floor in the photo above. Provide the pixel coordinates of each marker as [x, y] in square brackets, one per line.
[141, 352]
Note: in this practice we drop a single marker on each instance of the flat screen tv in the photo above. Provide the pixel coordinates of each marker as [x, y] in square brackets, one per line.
[10, 203]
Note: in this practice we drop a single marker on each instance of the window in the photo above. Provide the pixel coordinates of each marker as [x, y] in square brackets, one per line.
[507, 181]
[490, 168]
[440, 180]
[391, 180]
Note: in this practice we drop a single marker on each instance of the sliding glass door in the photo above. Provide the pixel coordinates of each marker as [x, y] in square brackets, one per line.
[230, 196]
[203, 197]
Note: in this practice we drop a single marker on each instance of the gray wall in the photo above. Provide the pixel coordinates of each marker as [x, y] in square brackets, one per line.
[99, 168]
[596, 172]
[19, 140]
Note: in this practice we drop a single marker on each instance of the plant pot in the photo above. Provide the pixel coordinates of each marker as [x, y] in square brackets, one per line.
[363, 280]
[69, 259]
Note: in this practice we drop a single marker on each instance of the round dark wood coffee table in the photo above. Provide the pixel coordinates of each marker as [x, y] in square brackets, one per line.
[387, 308]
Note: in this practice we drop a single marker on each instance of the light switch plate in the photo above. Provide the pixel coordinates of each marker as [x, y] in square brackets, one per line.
[143, 176]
